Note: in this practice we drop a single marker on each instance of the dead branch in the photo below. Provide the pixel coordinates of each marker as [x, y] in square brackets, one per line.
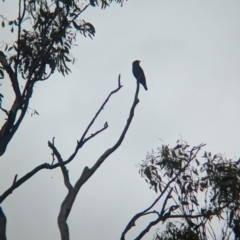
[67, 203]
[61, 163]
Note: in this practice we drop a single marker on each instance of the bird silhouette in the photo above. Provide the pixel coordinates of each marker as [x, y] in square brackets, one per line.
[139, 74]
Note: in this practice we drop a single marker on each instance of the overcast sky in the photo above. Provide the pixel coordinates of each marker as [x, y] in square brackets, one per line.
[190, 53]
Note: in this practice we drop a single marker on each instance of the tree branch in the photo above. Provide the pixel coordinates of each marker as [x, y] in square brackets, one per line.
[60, 163]
[101, 108]
[9, 128]
[3, 222]
[12, 76]
[67, 204]
[138, 215]
[63, 167]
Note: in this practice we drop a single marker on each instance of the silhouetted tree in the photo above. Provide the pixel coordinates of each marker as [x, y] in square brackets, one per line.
[40, 49]
[191, 194]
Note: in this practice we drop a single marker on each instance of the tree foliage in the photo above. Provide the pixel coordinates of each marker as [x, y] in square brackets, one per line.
[46, 32]
[193, 191]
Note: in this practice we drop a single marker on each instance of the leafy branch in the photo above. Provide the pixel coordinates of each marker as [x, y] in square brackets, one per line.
[180, 178]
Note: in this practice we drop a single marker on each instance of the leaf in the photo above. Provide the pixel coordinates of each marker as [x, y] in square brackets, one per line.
[179, 182]
[67, 2]
[76, 26]
[160, 187]
[92, 2]
[66, 50]
[67, 45]
[204, 178]
[1, 75]
[173, 208]
[104, 4]
[195, 202]
[177, 147]
[10, 23]
[231, 218]
[42, 12]
[90, 36]
[155, 187]
[3, 24]
[60, 40]
[189, 187]
[12, 29]
[147, 172]
[184, 177]
[195, 171]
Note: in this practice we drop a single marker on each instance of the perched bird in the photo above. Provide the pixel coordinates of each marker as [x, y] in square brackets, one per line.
[139, 74]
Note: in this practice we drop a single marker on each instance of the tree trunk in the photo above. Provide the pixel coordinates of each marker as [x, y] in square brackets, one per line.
[3, 221]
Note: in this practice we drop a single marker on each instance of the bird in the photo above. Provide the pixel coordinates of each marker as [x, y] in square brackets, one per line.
[138, 73]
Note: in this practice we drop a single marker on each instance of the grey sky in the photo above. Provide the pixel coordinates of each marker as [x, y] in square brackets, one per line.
[190, 53]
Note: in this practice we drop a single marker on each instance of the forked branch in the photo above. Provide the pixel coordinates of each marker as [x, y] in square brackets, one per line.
[67, 204]
[61, 163]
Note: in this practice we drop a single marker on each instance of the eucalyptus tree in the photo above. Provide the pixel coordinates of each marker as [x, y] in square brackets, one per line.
[193, 194]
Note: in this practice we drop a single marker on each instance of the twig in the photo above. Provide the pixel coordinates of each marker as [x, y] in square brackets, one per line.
[53, 155]
[4, 110]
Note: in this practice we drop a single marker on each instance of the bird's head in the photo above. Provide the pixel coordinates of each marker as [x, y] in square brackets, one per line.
[136, 62]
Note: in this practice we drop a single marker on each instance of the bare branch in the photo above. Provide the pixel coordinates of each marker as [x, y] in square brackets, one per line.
[53, 155]
[15, 179]
[4, 110]
[67, 204]
[160, 218]
[165, 202]
[100, 109]
[60, 163]
[97, 132]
